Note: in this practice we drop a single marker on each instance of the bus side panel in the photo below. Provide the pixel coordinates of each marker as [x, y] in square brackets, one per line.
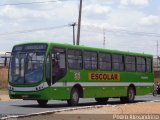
[104, 91]
[58, 93]
[143, 90]
[50, 93]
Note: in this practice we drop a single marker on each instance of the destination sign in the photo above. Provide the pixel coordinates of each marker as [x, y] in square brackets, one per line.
[35, 47]
[18, 48]
[104, 76]
[30, 47]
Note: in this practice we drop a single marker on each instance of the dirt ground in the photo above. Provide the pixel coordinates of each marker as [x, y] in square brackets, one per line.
[134, 111]
[3, 78]
[134, 108]
[4, 95]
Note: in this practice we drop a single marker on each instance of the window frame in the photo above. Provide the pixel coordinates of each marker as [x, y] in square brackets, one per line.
[48, 78]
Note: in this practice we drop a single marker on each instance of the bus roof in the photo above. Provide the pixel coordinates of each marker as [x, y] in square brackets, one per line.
[88, 48]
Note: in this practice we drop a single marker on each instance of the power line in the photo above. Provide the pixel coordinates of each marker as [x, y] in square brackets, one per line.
[91, 31]
[126, 32]
[135, 32]
[34, 30]
[40, 2]
[14, 4]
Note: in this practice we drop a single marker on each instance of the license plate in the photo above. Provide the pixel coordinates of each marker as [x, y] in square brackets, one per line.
[25, 96]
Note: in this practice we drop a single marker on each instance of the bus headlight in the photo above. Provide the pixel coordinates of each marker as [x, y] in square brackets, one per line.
[40, 87]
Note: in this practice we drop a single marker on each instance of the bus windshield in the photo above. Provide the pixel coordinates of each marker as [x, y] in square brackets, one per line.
[26, 67]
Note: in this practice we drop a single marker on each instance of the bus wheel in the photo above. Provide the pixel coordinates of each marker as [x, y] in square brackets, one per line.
[130, 94]
[74, 97]
[101, 100]
[42, 103]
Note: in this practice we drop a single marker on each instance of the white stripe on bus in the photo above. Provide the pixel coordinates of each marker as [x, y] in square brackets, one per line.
[83, 84]
[70, 84]
[36, 88]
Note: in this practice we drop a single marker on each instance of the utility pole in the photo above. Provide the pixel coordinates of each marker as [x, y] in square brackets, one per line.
[104, 38]
[73, 25]
[79, 23]
[157, 54]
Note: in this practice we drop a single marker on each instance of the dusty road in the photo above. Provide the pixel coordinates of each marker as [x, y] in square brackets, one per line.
[114, 106]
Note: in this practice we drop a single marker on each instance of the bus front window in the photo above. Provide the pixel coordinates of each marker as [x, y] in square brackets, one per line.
[26, 68]
[17, 68]
[34, 68]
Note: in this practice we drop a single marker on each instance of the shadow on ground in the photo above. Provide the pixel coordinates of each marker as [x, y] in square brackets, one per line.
[65, 105]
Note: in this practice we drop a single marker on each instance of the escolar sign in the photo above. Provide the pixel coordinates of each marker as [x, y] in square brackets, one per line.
[104, 76]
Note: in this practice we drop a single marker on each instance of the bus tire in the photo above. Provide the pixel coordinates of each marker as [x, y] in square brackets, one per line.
[131, 94]
[74, 97]
[42, 103]
[102, 100]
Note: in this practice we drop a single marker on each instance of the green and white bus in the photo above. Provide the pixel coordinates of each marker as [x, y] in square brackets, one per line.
[53, 71]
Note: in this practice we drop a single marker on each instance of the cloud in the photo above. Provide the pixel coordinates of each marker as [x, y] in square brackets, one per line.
[103, 1]
[97, 14]
[100, 26]
[37, 12]
[19, 13]
[150, 20]
[135, 2]
[96, 11]
[120, 19]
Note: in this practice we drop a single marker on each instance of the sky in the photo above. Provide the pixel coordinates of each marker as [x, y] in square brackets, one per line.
[129, 25]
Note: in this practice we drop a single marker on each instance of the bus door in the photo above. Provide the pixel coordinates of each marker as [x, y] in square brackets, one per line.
[58, 64]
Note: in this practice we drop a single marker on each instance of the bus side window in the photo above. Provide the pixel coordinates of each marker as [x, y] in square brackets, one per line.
[140, 64]
[117, 62]
[148, 64]
[130, 63]
[75, 59]
[90, 60]
[104, 61]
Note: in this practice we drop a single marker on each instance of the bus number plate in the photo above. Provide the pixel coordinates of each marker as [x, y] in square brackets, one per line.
[25, 96]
